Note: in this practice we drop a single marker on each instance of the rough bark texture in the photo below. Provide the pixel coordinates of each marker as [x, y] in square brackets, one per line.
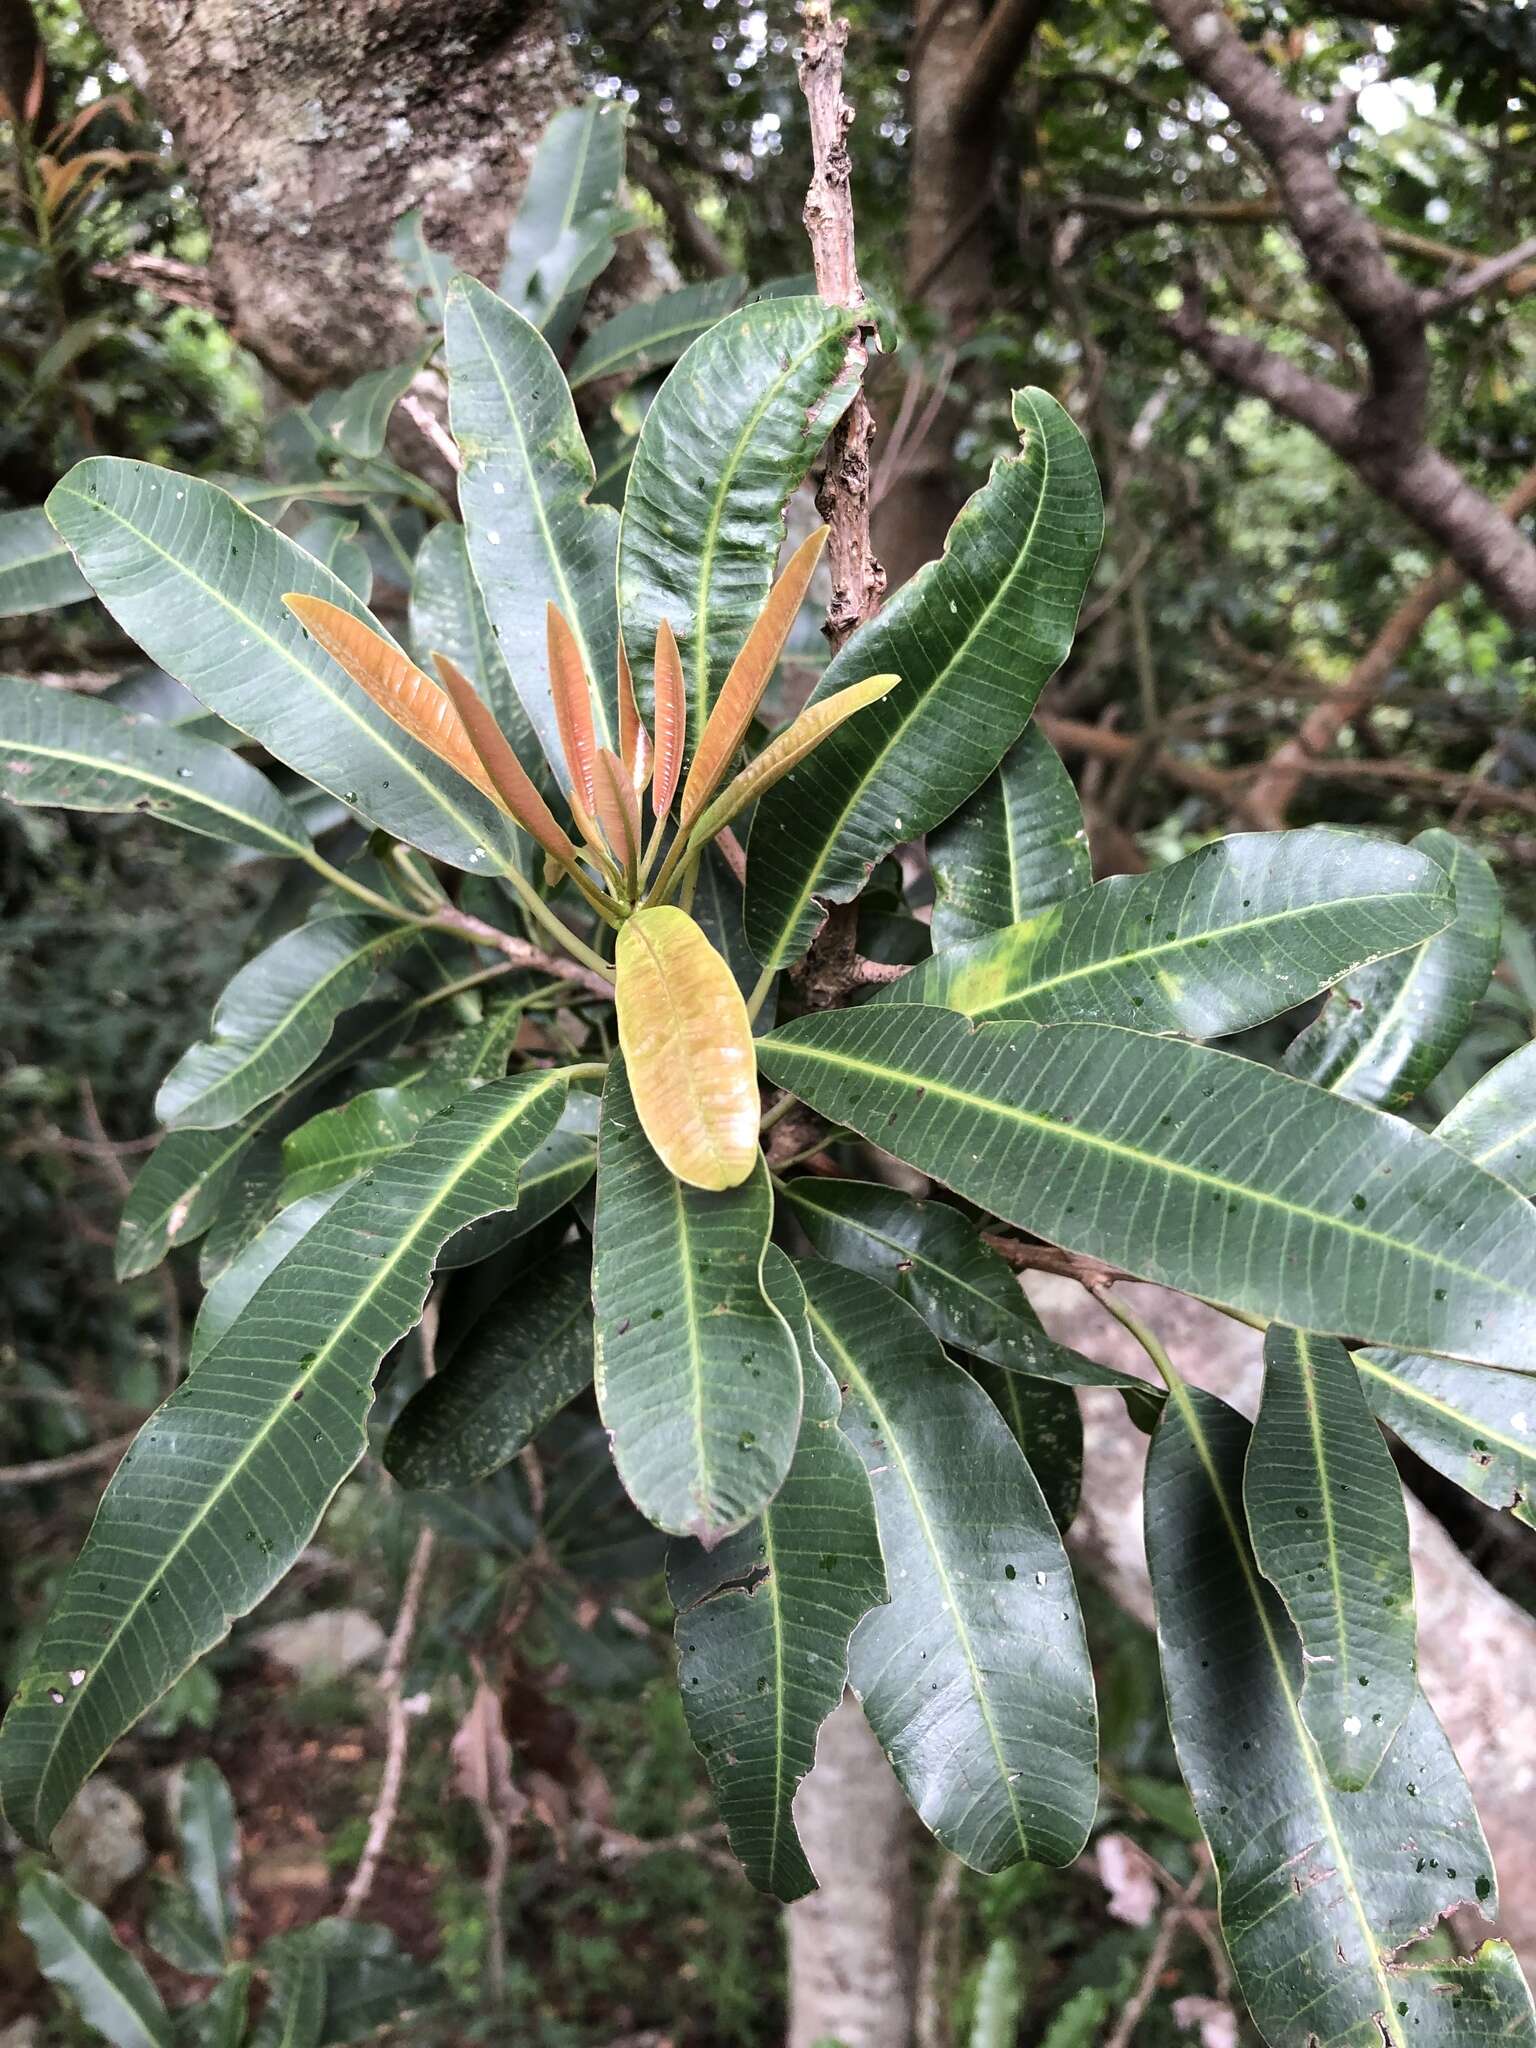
[307, 129]
[852, 1945]
[1477, 1651]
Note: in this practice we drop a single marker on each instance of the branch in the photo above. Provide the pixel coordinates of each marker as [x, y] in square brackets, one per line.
[42, 1470]
[858, 581]
[1000, 50]
[1516, 267]
[1289, 766]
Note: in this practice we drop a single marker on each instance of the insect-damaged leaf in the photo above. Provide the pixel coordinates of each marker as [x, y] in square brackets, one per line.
[1239, 931]
[764, 1620]
[1326, 1517]
[975, 1678]
[688, 1049]
[227, 1481]
[1161, 1156]
[1319, 1887]
[698, 1376]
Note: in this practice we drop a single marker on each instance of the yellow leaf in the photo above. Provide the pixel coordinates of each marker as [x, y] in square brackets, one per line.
[743, 688]
[671, 719]
[687, 1046]
[396, 685]
[512, 782]
[790, 748]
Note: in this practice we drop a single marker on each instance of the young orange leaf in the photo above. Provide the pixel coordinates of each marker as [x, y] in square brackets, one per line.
[742, 691]
[687, 1046]
[618, 808]
[396, 685]
[573, 706]
[671, 719]
[798, 739]
[510, 780]
[634, 740]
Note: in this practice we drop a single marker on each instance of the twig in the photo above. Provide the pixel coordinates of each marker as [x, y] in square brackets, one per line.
[1050, 1258]
[858, 581]
[1515, 269]
[1174, 1919]
[41, 1470]
[422, 416]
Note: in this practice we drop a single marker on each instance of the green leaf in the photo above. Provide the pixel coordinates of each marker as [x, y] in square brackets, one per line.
[1319, 1887]
[764, 1618]
[199, 581]
[975, 1678]
[219, 2021]
[999, 1996]
[448, 616]
[86, 755]
[208, 1844]
[562, 235]
[528, 1357]
[933, 1257]
[698, 1375]
[730, 435]
[1476, 1427]
[1384, 1034]
[1047, 1426]
[1242, 930]
[295, 2014]
[342, 1142]
[1329, 1530]
[37, 571]
[334, 543]
[1187, 1166]
[1014, 848]
[975, 637]
[370, 1982]
[275, 1018]
[717, 908]
[656, 332]
[227, 1481]
[428, 271]
[77, 1951]
[232, 1287]
[176, 1931]
[534, 539]
[357, 417]
[177, 1194]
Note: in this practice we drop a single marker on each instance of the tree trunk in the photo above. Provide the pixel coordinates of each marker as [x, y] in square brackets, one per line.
[307, 130]
[852, 1944]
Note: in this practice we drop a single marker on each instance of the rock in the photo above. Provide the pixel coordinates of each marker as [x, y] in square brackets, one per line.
[100, 1841]
[322, 1647]
[22, 2033]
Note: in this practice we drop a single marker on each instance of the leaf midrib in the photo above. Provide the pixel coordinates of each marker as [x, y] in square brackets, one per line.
[1071, 1134]
[314, 676]
[465, 1163]
[962, 1633]
[118, 1996]
[860, 788]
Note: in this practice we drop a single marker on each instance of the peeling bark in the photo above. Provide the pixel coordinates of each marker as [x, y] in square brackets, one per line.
[308, 130]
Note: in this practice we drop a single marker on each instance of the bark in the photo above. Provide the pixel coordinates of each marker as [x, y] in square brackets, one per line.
[307, 130]
[852, 1944]
[1477, 1650]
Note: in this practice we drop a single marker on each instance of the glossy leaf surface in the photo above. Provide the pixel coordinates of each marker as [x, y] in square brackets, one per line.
[86, 755]
[974, 637]
[654, 333]
[274, 1019]
[1241, 930]
[1167, 1158]
[688, 1049]
[228, 1480]
[1385, 1033]
[232, 1287]
[1329, 1530]
[731, 434]
[698, 1375]
[534, 539]
[1319, 1887]
[1014, 848]
[78, 1952]
[933, 1257]
[37, 571]
[764, 1620]
[975, 1677]
[519, 1365]
[199, 581]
